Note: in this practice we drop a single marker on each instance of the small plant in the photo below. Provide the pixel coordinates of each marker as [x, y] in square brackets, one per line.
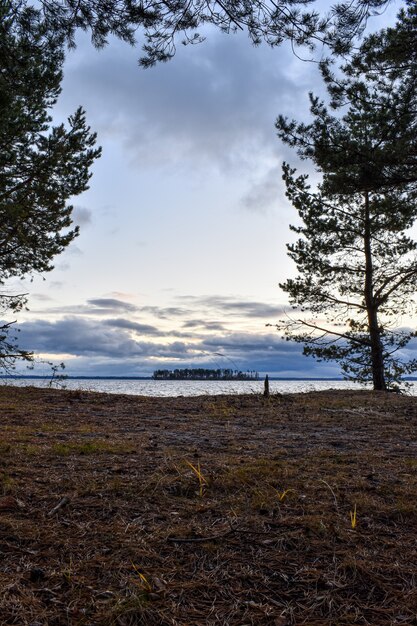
[6, 484]
[202, 481]
[143, 582]
[282, 496]
[68, 572]
[30, 449]
[57, 378]
[353, 519]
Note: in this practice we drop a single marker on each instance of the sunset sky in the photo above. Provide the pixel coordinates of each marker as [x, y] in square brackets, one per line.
[184, 227]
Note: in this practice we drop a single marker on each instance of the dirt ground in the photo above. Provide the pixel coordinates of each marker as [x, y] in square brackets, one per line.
[220, 510]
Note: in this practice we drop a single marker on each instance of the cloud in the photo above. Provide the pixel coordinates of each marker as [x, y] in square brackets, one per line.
[63, 266]
[111, 304]
[112, 340]
[85, 337]
[230, 305]
[203, 324]
[165, 312]
[201, 314]
[265, 192]
[81, 216]
[41, 297]
[74, 250]
[107, 329]
[248, 342]
[212, 105]
[143, 329]
[78, 337]
[94, 306]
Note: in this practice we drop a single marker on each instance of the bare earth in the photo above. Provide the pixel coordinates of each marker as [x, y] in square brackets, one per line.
[221, 510]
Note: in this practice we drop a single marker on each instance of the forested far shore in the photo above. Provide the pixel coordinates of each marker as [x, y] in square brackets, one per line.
[204, 374]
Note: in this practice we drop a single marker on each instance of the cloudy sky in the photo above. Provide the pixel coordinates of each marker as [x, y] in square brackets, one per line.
[183, 229]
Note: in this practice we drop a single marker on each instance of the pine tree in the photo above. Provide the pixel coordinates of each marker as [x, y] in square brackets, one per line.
[392, 51]
[356, 259]
[41, 166]
[165, 24]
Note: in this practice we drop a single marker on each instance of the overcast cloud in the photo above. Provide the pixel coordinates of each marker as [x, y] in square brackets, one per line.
[186, 199]
[111, 340]
[189, 107]
[92, 331]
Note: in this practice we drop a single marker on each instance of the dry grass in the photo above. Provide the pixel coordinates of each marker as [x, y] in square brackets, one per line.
[226, 511]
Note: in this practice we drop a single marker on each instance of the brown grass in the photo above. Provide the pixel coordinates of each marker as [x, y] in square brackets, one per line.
[263, 537]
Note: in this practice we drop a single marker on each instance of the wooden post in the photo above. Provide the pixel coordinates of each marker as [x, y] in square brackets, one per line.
[266, 387]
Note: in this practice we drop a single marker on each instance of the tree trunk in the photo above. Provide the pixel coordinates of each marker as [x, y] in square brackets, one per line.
[377, 353]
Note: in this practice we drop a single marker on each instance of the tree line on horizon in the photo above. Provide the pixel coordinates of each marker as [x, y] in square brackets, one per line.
[356, 257]
[202, 373]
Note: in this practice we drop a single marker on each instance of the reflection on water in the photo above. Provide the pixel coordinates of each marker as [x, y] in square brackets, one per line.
[193, 387]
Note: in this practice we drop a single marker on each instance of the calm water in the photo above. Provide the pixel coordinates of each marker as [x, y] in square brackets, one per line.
[192, 387]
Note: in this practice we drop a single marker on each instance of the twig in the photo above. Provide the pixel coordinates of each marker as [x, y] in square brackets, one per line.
[63, 502]
[333, 493]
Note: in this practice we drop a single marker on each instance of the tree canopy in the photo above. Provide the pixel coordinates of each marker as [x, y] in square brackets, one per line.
[379, 130]
[166, 23]
[41, 166]
[391, 51]
[357, 276]
[356, 259]
[202, 373]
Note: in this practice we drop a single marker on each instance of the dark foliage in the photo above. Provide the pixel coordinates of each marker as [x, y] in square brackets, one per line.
[165, 24]
[392, 51]
[202, 373]
[356, 259]
[41, 166]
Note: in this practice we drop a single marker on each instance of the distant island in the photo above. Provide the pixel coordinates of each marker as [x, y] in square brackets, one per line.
[201, 373]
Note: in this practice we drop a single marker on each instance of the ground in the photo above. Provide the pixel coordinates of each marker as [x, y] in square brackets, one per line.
[225, 510]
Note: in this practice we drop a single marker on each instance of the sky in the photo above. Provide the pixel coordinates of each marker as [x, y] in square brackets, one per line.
[184, 227]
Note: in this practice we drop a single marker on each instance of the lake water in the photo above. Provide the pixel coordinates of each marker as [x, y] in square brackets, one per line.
[165, 388]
